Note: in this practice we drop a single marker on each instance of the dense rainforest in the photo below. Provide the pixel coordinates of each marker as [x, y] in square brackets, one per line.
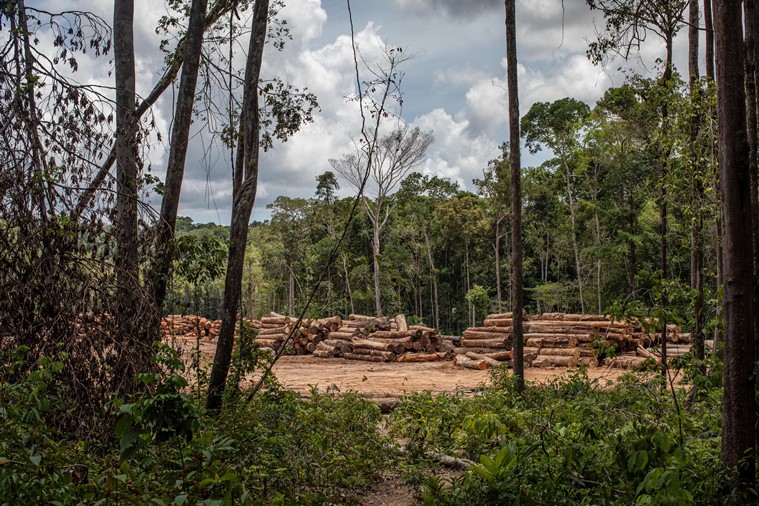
[641, 206]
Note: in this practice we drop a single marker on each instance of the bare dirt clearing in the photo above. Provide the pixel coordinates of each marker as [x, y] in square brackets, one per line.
[385, 379]
[394, 379]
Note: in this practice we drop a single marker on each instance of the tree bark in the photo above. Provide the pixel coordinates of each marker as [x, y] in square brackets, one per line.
[375, 257]
[739, 414]
[433, 272]
[751, 19]
[573, 219]
[125, 222]
[709, 49]
[516, 191]
[246, 181]
[697, 224]
[180, 134]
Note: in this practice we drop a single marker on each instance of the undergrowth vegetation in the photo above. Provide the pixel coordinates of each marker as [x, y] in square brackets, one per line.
[571, 441]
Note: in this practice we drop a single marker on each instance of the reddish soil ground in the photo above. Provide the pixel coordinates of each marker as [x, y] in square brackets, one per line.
[380, 379]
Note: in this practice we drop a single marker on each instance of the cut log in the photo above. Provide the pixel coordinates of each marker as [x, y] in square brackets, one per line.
[468, 363]
[500, 356]
[642, 352]
[500, 330]
[395, 334]
[562, 352]
[455, 340]
[550, 341]
[626, 362]
[570, 316]
[275, 320]
[499, 322]
[554, 361]
[477, 356]
[422, 328]
[400, 322]
[344, 336]
[499, 316]
[483, 335]
[422, 357]
[368, 358]
[269, 343]
[359, 343]
[486, 343]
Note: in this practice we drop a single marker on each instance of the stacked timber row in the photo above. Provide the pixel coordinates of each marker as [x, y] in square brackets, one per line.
[566, 340]
[482, 347]
[649, 334]
[382, 340]
[190, 325]
[274, 330]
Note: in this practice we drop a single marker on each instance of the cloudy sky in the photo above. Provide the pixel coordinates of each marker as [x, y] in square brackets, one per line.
[454, 85]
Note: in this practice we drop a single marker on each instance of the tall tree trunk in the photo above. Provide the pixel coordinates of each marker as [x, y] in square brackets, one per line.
[377, 277]
[709, 49]
[164, 254]
[663, 215]
[573, 220]
[598, 262]
[498, 263]
[433, 272]
[751, 19]
[697, 225]
[344, 258]
[516, 191]
[246, 181]
[739, 413]
[125, 223]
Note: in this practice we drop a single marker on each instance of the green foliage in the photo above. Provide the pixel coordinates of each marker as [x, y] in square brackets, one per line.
[602, 348]
[274, 449]
[571, 441]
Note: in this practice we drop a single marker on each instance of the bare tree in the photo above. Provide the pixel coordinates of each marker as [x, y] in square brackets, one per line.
[395, 155]
[517, 302]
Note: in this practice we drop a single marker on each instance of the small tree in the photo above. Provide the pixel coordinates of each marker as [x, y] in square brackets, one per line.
[395, 155]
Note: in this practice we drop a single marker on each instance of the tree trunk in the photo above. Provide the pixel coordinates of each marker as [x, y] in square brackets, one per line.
[598, 264]
[751, 18]
[663, 226]
[697, 227]
[433, 272]
[573, 219]
[375, 257]
[739, 414]
[243, 200]
[347, 281]
[709, 29]
[516, 191]
[125, 222]
[498, 264]
[164, 254]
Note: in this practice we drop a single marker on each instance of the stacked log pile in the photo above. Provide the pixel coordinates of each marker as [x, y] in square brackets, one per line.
[311, 333]
[566, 340]
[649, 334]
[189, 325]
[488, 345]
[379, 339]
[551, 340]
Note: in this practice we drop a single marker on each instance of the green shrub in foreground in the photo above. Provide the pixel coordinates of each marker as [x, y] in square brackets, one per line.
[572, 441]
